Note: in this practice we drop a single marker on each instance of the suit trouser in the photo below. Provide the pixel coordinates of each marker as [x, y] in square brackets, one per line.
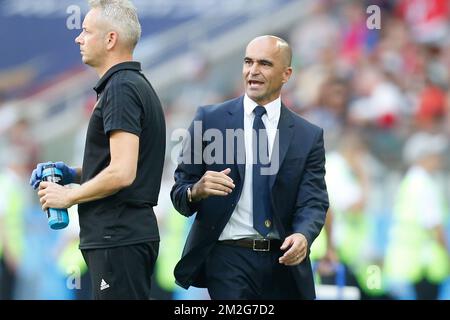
[122, 272]
[240, 273]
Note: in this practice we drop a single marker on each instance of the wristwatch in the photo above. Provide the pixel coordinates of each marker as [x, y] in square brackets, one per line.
[189, 194]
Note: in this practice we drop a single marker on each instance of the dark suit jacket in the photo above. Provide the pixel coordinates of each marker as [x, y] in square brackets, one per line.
[298, 191]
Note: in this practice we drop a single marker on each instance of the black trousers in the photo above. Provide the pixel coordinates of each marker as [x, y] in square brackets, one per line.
[236, 273]
[7, 281]
[122, 272]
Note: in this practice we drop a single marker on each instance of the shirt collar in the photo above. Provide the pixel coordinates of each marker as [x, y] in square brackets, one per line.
[273, 108]
[129, 65]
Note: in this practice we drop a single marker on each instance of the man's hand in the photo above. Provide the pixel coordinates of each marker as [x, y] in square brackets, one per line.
[297, 251]
[213, 183]
[69, 174]
[52, 195]
[328, 263]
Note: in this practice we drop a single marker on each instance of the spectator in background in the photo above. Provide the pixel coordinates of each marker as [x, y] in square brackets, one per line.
[330, 112]
[123, 160]
[432, 108]
[349, 184]
[380, 101]
[314, 34]
[355, 34]
[417, 259]
[20, 134]
[428, 20]
[323, 254]
[14, 201]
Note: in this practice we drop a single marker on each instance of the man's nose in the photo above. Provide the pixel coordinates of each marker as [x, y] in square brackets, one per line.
[78, 39]
[254, 69]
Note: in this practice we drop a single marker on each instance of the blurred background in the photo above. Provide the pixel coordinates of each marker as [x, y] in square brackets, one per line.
[377, 84]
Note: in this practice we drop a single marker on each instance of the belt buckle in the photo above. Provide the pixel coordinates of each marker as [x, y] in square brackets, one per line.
[266, 246]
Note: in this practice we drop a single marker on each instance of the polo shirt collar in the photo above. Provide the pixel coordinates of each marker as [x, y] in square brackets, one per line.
[128, 65]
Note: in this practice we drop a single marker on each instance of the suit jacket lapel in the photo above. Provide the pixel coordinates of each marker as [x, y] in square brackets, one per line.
[282, 141]
[236, 121]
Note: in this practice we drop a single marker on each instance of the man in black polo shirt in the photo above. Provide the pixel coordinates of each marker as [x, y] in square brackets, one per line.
[123, 160]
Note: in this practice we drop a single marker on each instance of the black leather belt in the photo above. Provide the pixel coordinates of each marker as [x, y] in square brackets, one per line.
[255, 244]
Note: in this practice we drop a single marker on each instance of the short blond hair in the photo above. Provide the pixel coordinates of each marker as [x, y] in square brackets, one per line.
[122, 16]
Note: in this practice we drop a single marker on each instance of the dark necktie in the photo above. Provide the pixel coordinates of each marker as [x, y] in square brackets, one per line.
[262, 218]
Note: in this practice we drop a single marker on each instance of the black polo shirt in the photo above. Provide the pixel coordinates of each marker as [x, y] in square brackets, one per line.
[127, 102]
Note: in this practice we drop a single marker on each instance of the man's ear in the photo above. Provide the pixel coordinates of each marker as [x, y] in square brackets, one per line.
[287, 74]
[111, 39]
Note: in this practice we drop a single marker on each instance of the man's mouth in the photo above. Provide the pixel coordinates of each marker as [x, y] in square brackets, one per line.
[254, 84]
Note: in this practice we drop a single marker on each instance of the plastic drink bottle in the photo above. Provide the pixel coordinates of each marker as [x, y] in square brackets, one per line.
[57, 218]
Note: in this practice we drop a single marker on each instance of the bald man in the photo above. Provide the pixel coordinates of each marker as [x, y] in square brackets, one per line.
[253, 173]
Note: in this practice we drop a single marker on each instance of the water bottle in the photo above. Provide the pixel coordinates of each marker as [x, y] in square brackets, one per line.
[57, 218]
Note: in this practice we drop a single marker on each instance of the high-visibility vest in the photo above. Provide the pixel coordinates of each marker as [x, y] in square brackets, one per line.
[319, 246]
[173, 236]
[14, 215]
[351, 230]
[70, 258]
[413, 253]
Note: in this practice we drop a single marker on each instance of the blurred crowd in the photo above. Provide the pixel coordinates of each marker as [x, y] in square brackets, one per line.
[382, 97]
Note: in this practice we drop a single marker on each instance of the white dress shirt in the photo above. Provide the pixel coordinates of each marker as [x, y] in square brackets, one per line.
[240, 224]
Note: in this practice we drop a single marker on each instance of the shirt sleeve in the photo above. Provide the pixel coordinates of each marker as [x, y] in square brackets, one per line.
[2, 205]
[123, 108]
[431, 204]
[344, 190]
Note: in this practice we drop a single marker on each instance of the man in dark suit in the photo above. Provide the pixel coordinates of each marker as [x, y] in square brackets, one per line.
[255, 219]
